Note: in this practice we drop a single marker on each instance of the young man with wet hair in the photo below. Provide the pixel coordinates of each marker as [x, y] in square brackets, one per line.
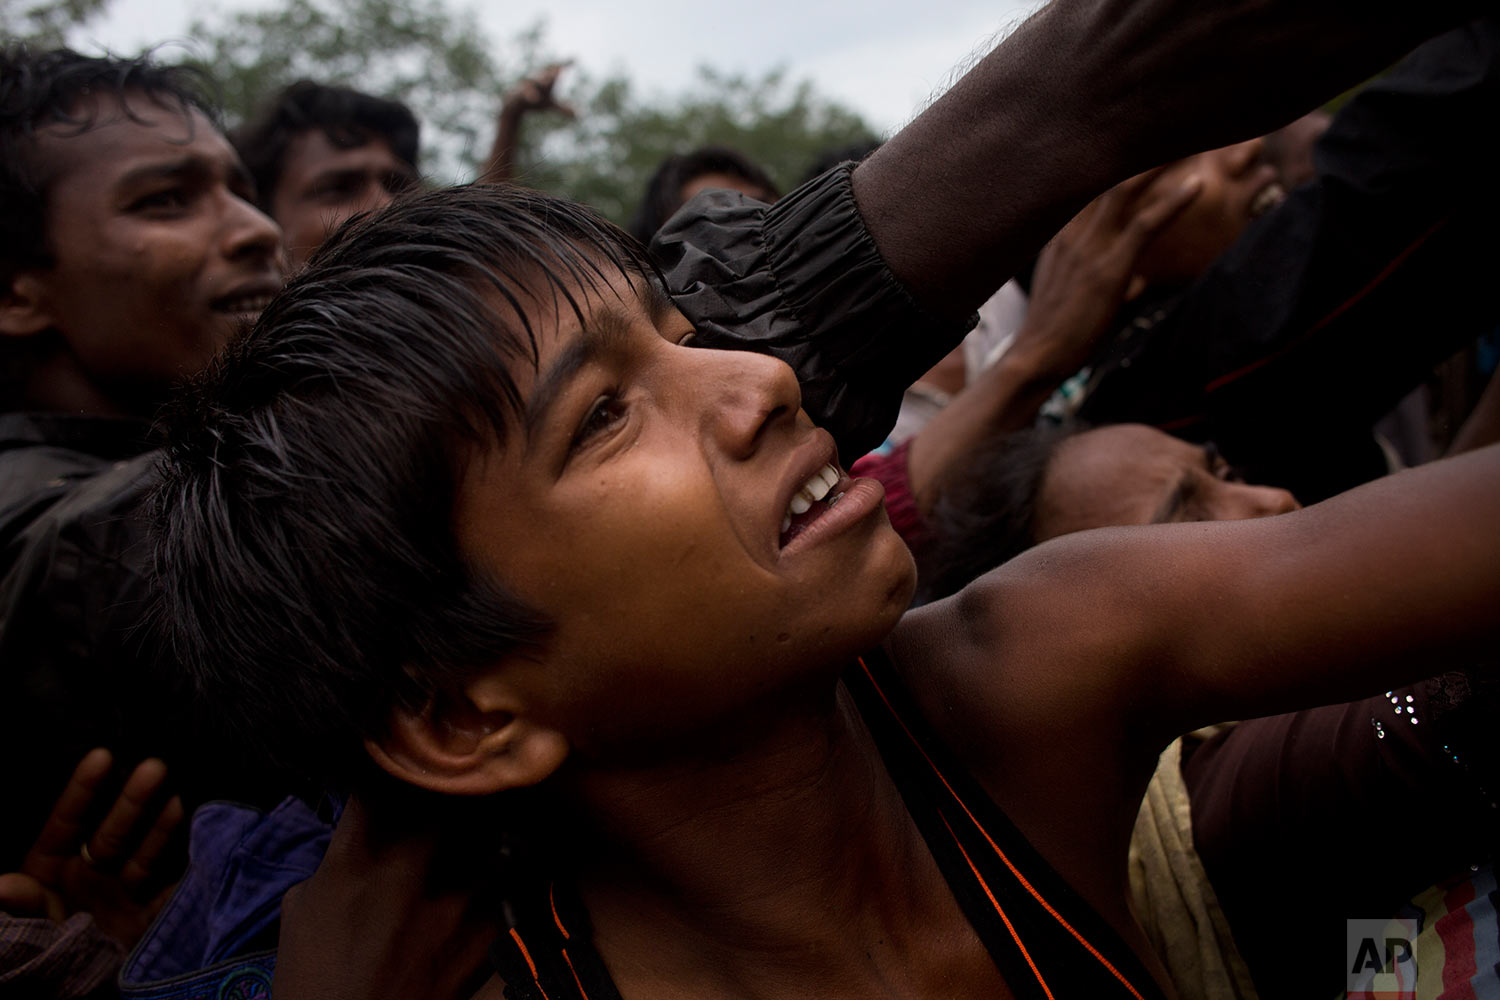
[321, 153]
[131, 251]
[474, 510]
[580, 566]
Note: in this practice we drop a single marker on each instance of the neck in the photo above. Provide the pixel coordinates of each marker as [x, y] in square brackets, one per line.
[58, 383]
[794, 860]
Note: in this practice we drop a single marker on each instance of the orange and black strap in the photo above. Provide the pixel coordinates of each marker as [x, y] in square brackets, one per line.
[1045, 939]
[548, 952]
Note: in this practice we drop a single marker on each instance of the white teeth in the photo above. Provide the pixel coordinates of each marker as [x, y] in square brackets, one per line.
[1270, 196]
[248, 304]
[813, 490]
[786, 522]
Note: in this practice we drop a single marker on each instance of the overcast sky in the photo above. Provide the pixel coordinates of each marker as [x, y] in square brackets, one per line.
[884, 58]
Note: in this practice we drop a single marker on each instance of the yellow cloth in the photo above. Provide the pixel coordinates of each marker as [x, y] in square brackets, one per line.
[1172, 897]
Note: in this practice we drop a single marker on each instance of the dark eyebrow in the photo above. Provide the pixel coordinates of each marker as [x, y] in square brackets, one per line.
[189, 167]
[166, 170]
[658, 304]
[605, 329]
[1173, 504]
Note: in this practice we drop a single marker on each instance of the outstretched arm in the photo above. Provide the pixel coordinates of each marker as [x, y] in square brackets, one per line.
[1147, 632]
[861, 285]
[1088, 92]
[1061, 675]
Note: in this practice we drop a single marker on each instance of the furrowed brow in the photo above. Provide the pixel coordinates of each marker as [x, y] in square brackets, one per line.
[1172, 506]
[606, 328]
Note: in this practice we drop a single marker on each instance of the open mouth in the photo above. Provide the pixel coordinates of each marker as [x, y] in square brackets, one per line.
[815, 498]
[241, 305]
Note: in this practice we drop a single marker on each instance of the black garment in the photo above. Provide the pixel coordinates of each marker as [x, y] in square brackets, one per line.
[803, 280]
[77, 663]
[1043, 937]
[1332, 307]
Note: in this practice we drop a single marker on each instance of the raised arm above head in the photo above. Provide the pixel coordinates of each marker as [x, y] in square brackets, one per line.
[1088, 92]
[863, 285]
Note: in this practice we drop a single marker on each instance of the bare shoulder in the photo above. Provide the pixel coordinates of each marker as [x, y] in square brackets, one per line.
[1125, 637]
[1042, 651]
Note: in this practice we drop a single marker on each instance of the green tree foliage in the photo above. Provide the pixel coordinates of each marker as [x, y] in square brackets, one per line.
[434, 55]
[425, 52]
[606, 156]
[45, 25]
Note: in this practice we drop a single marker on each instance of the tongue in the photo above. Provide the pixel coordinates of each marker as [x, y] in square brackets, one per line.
[802, 520]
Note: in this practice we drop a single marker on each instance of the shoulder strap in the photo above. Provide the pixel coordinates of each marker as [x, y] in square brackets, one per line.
[1045, 939]
[548, 952]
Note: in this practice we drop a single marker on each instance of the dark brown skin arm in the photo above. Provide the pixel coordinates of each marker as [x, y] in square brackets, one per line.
[1061, 675]
[1087, 93]
[532, 94]
[1148, 632]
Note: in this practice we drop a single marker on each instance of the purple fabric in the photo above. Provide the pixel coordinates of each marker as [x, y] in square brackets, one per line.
[241, 863]
[41, 959]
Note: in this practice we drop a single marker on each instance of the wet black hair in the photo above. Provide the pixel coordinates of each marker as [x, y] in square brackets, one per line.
[308, 573]
[987, 515]
[349, 118]
[663, 195]
[39, 89]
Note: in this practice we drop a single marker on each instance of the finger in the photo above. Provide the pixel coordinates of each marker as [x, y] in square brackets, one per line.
[1152, 218]
[138, 870]
[565, 109]
[22, 896]
[110, 843]
[1115, 206]
[63, 831]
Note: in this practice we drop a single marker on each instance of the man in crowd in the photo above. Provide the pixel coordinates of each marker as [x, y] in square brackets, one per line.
[320, 154]
[131, 251]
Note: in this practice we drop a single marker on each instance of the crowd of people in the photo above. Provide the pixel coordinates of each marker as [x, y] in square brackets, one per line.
[1016, 561]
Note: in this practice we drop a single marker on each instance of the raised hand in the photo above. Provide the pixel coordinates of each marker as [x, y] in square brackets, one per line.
[534, 93]
[112, 870]
[1086, 271]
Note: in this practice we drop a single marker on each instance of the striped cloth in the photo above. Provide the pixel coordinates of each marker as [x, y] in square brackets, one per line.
[1457, 944]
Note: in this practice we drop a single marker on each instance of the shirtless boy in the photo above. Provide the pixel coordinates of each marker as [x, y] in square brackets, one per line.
[470, 510]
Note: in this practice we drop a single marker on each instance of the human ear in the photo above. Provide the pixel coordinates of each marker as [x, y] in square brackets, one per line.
[475, 742]
[24, 309]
